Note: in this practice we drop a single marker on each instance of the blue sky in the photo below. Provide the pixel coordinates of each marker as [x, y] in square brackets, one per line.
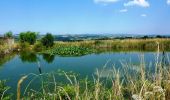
[86, 16]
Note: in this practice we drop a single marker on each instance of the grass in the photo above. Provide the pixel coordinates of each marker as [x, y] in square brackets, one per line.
[92, 46]
[98, 46]
[5, 47]
[3, 91]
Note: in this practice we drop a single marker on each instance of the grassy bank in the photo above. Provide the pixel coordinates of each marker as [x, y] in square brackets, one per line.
[6, 46]
[92, 46]
[97, 46]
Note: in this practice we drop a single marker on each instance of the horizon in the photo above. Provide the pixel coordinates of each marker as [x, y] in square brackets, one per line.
[138, 17]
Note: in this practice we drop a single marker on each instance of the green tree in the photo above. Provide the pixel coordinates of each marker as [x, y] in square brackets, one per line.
[29, 37]
[8, 34]
[48, 40]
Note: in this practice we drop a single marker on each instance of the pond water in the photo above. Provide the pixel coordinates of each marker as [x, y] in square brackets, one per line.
[25, 63]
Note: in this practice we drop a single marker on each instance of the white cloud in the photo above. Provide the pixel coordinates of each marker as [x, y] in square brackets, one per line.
[168, 2]
[143, 15]
[105, 1]
[141, 3]
[123, 10]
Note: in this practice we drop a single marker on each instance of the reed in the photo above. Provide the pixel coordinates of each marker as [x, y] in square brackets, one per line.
[97, 46]
[19, 87]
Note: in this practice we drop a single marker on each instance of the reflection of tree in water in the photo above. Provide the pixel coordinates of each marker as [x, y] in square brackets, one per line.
[6, 58]
[48, 58]
[28, 57]
[31, 58]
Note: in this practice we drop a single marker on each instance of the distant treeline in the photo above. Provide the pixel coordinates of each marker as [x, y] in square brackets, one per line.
[73, 39]
[81, 37]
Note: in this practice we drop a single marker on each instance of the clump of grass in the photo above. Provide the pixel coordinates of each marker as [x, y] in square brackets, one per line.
[3, 91]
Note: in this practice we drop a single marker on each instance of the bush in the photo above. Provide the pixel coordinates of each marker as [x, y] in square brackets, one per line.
[38, 47]
[29, 37]
[24, 46]
[8, 34]
[48, 40]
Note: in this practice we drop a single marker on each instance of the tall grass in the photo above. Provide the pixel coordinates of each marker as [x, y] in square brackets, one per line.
[97, 46]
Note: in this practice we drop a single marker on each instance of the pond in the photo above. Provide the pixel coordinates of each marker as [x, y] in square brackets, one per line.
[25, 63]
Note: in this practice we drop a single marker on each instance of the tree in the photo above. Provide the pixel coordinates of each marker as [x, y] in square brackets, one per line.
[48, 40]
[8, 34]
[29, 37]
[159, 36]
[145, 37]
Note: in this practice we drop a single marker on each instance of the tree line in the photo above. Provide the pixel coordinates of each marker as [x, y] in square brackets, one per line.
[31, 38]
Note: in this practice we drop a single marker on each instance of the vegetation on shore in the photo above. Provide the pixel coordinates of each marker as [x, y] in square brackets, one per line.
[88, 47]
[28, 41]
[6, 43]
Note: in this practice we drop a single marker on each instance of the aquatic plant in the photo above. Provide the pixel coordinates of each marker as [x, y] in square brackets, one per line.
[69, 51]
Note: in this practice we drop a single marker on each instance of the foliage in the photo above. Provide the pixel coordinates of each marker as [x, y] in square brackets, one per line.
[38, 47]
[29, 37]
[69, 51]
[8, 34]
[48, 40]
[3, 90]
[23, 46]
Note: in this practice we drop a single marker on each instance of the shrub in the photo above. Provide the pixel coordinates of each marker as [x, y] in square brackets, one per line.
[48, 40]
[29, 37]
[8, 34]
[38, 47]
[24, 46]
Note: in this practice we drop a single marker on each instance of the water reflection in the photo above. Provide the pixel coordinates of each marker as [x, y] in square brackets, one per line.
[31, 58]
[48, 58]
[28, 57]
[6, 58]
[164, 59]
[39, 67]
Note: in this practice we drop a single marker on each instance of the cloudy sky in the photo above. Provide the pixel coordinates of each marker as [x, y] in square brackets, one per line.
[86, 16]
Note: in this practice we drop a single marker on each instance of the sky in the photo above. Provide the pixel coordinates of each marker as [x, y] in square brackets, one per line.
[86, 16]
